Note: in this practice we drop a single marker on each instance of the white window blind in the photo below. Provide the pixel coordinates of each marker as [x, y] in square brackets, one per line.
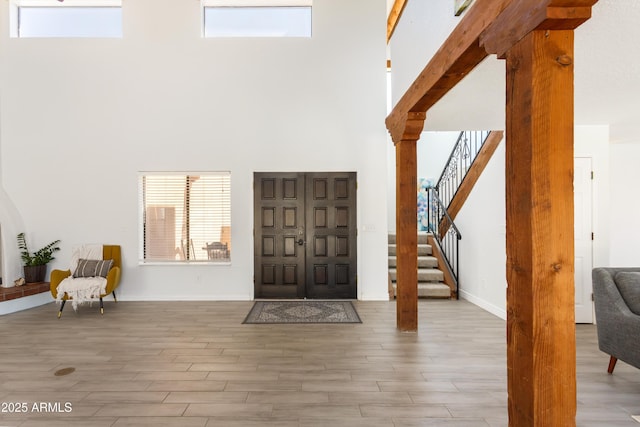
[185, 217]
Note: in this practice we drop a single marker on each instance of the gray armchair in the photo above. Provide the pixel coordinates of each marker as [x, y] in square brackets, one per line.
[617, 304]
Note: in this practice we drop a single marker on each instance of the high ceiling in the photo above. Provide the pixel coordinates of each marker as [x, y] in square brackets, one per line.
[607, 82]
[607, 70]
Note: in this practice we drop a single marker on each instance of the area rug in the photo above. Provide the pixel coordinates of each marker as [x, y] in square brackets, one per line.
[302, 312]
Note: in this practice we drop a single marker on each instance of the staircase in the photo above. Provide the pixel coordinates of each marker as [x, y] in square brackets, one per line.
[438, 271]
[430, 278]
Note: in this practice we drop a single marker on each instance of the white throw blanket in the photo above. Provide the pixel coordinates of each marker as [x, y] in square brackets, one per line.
[82, 289]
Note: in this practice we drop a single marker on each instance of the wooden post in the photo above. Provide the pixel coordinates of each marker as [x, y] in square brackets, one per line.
[406, 236]
[540, 255]
[407, 222]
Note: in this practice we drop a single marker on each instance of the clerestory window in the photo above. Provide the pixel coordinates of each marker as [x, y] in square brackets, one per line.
[257, 18]
[68, 18]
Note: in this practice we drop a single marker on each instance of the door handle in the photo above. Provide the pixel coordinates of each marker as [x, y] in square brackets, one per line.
[301, 242]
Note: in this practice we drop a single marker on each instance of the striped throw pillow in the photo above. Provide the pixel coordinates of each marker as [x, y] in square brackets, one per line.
[93, 267]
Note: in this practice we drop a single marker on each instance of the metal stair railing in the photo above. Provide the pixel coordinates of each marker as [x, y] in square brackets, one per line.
[440, 223]
[447, 244]
[462, 156]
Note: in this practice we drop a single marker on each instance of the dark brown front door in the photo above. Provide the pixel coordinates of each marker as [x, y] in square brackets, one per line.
[305, 235]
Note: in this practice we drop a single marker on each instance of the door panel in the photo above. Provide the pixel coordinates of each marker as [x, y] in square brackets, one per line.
[278, 226]
[305, 235]
[331, 235]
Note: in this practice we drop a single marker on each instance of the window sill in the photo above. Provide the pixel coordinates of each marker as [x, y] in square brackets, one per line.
[183, 263]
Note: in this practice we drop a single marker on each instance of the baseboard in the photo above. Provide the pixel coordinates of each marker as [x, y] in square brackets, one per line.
[150, 298]
[375, 297]
[491, 308]
[367, 297]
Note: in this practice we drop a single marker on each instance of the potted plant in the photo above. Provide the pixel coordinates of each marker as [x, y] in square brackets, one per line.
[35, 264]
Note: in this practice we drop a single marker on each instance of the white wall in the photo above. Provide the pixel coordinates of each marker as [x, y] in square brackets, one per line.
[434, 149]
[421, 30]
[11, 223]
[482, 223]
[483, 226]
[81, 117]
[625, 206]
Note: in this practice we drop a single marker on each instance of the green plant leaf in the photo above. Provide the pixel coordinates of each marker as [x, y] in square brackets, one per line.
[40, 257]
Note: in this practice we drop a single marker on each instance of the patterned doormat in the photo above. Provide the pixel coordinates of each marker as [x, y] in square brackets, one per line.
[303, 312]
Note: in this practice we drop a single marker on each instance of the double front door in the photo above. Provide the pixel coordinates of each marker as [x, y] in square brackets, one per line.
[305, 235]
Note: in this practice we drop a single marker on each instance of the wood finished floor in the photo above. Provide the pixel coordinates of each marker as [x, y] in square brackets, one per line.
[195, 364]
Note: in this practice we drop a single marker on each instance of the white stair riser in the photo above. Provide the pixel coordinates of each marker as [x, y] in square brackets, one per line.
[423, 262]
[423, 250]
[424, 275]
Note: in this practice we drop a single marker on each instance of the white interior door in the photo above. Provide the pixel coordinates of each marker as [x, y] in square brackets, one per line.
[583, 239]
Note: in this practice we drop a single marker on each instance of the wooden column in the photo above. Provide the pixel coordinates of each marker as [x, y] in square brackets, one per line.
[407, 222]
[541, 353]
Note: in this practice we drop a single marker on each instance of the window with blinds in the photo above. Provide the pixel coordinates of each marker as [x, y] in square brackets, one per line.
[185, 217]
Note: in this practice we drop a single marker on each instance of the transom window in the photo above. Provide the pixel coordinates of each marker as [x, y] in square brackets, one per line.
[185, 217]
[257, 18]
[70, 18]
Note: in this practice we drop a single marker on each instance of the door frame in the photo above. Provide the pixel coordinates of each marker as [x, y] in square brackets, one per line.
[584, 301]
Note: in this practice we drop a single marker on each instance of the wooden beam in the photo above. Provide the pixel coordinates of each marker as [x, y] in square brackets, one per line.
[490, 26]
[473, 174]
[407, 224]
[522, 17]
[394, 16]
[409, 129]
[540, 243]
[459, 54]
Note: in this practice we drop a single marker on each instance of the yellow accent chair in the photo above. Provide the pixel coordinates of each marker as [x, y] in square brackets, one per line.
[113, 277]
